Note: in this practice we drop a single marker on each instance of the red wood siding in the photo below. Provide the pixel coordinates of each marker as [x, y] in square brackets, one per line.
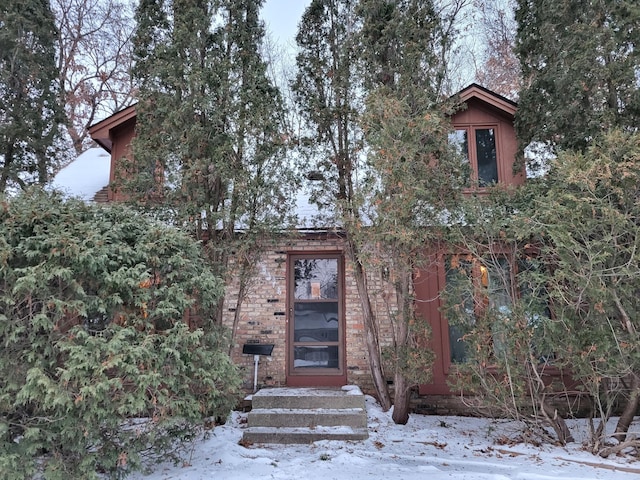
[483, 110]
[480, 114]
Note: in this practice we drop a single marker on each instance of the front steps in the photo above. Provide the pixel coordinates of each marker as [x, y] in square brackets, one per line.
[306, 415]
[102, 195]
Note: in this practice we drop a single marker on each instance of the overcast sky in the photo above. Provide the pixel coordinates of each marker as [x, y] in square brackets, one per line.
[281, 18]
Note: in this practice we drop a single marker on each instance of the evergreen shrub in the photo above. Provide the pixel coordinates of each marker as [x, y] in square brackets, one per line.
[99, 369]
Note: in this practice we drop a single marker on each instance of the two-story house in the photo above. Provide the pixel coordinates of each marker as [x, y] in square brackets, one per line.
[314, 321]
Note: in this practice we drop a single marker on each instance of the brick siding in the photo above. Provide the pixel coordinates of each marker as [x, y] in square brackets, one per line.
[263, 313]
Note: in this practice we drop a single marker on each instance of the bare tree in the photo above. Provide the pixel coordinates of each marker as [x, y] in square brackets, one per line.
[94, 60]
[455, 50]
[499, 68]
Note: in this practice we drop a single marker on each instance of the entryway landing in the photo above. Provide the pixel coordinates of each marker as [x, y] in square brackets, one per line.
[306, 415]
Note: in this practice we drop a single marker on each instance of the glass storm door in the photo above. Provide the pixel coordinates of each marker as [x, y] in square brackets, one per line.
[315, 321]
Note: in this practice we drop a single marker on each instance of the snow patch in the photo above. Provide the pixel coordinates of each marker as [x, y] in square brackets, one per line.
[85, 176]
[428, 447]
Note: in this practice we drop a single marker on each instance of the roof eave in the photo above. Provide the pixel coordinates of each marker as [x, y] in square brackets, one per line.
[508, 107]
[100, 132]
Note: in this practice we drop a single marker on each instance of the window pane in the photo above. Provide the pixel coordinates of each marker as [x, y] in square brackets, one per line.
[316, 278]
[316, 357]
[459, 290]
[316, 322]
[459, 283]
[457, 346]
[533, 290]
[487, 160]
[496, 280]
[458, 138]
[499, 285]
[533, 293]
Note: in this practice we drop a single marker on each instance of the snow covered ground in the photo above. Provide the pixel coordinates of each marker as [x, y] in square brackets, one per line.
[427, 448]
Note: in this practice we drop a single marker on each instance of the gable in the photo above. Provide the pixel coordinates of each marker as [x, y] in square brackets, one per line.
[102, 132]
[484, 131]
[476, 111]
[482, 97]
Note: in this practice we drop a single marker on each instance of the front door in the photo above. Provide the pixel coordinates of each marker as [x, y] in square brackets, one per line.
[315, 321]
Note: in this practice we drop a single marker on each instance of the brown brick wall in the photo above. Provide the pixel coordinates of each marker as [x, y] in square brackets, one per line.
[263, 313]
[263, 316]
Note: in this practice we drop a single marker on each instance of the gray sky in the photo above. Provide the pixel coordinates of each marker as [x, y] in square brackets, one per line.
[281, 18]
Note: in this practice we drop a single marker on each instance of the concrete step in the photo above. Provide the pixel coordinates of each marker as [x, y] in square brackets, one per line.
[328, 417]
[305, 415]
[291, 435]
[297, 398]
[102, 195]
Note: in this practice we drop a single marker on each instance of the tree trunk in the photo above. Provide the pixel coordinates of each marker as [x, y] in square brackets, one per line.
[556, 422]
[629, 410]
[236, 314]
[634, 391]
[370, 329]
[402, 395]
[401, 399]
[549, 413]
[6, 169]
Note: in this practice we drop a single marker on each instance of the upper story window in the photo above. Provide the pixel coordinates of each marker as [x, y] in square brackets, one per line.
[477, 146]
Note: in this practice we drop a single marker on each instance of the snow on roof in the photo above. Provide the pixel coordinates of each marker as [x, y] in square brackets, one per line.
[308, 215]
[89, 173]
[85, 176]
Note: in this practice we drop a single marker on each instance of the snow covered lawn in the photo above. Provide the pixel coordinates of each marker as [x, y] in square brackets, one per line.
[427, 448]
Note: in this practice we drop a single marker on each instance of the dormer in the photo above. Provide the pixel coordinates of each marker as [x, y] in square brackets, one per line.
[484, 133]
[115, 134]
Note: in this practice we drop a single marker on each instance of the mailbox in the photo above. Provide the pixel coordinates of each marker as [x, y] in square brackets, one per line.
[257, 348]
